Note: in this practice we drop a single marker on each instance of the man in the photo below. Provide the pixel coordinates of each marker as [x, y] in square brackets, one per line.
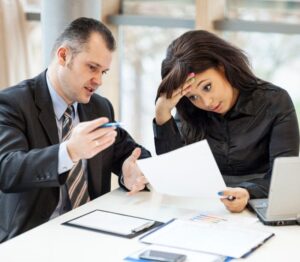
[54, 155]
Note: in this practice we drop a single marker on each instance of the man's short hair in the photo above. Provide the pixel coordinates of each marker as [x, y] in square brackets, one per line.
[78, 32]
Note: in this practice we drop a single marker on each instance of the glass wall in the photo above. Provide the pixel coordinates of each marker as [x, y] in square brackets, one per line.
[264, 10]
[143, 49]
[274, 57]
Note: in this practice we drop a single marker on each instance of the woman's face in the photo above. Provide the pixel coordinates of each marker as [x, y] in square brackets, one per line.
[212, 92]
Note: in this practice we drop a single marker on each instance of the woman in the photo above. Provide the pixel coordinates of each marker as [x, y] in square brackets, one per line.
[247, 121]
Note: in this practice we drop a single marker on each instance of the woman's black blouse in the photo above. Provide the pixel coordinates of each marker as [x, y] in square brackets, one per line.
[260, 127]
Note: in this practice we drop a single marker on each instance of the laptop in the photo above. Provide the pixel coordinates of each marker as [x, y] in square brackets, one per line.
[283, 205]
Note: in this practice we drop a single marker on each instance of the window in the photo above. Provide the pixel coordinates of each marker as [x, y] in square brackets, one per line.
[143, 49]
[275, 57]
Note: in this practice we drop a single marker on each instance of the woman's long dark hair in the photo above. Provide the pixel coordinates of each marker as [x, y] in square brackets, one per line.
[196, 51]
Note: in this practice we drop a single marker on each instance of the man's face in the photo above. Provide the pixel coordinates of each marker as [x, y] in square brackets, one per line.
[79, 76]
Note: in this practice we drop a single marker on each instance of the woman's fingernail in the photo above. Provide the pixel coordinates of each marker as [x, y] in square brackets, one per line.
[220, 193]
[191, 74]
[192, 80]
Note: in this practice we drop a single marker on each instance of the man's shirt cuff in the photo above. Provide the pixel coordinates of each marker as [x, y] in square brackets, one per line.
[65, 163]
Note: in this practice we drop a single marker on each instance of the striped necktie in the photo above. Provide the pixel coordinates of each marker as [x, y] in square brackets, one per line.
[76, 181]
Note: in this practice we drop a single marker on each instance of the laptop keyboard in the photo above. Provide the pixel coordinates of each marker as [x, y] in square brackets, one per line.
[262, 210]
[261, 204]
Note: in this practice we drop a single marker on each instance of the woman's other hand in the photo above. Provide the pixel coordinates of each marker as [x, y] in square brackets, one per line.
[235, 199]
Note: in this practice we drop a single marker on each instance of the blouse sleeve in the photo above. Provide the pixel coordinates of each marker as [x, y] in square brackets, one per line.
[284, 141]
[167, 137]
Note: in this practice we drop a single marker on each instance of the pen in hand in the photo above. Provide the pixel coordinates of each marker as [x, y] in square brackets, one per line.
[112, 124]
[229, 198]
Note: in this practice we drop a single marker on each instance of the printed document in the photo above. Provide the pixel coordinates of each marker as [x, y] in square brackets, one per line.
[214, 238]
[188, 171]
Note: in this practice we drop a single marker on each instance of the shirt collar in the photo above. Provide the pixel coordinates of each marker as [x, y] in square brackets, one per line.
[245, 103]
[59, 105]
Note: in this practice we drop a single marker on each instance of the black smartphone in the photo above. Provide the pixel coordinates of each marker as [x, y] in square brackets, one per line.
[156, 255]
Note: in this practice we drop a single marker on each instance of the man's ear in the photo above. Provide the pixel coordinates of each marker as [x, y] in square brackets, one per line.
[61, 54]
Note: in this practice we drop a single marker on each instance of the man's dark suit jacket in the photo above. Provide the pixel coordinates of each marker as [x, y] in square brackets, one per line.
[29, 144]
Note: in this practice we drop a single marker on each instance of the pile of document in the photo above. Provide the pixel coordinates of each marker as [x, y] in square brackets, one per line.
[223, 239]
[192, 171]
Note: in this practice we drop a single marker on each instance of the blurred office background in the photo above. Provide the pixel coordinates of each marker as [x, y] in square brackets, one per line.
[268, 31]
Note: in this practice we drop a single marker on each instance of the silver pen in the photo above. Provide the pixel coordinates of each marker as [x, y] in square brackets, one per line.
[144, 226]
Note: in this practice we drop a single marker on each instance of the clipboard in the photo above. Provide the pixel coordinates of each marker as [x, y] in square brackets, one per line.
[112, 223]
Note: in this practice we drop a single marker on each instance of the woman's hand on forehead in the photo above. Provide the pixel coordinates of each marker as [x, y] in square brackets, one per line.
[186, 87]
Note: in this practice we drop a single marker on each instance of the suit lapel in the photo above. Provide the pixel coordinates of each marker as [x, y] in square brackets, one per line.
[44, 103]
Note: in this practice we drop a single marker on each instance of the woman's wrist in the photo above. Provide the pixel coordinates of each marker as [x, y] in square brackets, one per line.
[161, 118]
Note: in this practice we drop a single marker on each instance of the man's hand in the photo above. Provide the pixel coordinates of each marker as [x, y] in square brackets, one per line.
[87, 139]
[235, 199]
[133, 177]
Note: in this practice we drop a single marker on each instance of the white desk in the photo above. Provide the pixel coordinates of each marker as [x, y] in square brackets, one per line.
[54, 242]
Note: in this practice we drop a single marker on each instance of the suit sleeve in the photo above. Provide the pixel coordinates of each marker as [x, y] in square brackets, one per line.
[22, 168]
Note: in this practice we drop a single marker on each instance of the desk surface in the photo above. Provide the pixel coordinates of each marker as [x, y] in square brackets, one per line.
[54, 242]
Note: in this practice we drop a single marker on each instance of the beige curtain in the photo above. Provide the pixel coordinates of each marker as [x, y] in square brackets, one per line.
[14, 61]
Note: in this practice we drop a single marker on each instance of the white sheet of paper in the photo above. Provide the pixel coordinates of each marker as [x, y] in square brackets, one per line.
[187, 171]
[214, 238]
[110, 222]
